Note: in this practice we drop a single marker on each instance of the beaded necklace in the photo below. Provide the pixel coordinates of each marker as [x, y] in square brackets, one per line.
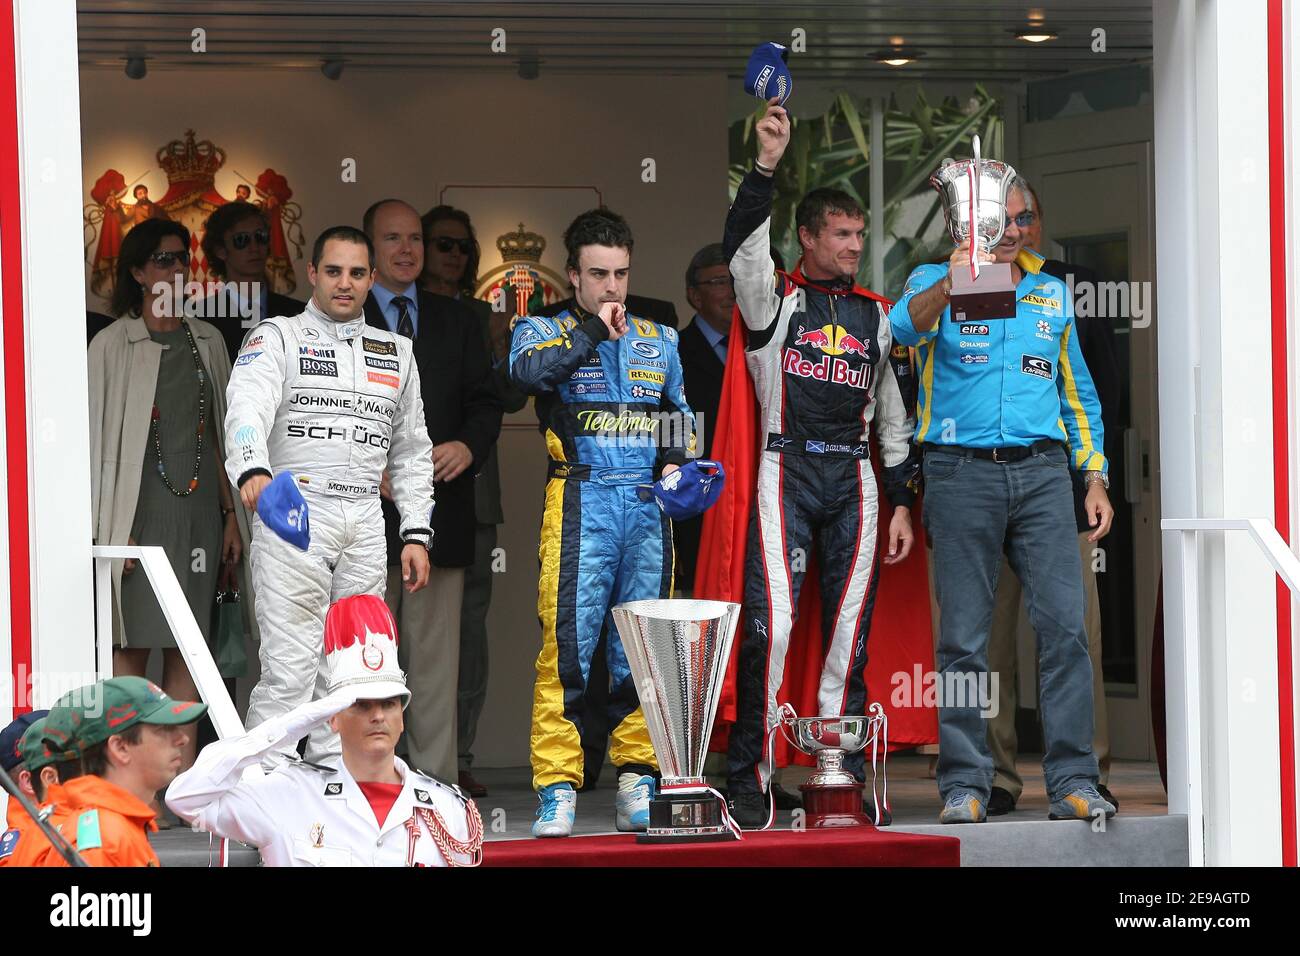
[198, 446]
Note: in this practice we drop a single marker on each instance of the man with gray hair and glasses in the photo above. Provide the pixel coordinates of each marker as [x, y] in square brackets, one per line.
[1006, 411]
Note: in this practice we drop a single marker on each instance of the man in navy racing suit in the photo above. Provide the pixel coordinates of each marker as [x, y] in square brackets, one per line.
[824, 367]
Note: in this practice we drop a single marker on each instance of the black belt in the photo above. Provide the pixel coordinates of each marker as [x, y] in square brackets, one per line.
[1001, 455]
[602, 474]
[817, 447]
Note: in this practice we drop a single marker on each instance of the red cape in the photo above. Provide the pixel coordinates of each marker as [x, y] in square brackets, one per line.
[899, 640]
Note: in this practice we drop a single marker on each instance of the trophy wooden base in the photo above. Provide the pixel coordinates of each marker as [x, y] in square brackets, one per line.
[989, 297]
[686, 818]
[833, 805]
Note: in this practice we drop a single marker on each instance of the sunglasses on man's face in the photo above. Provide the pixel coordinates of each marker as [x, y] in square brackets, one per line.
[240, 240]
[1022, 220]
[165, 260]
[447, 243]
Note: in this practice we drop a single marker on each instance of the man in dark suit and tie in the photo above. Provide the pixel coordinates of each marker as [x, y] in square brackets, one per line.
[463, 413]
[236, 243]
[703, 351]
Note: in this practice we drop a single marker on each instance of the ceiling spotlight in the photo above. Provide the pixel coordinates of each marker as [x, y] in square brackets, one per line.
[1038, 33]
[135, 67]
[332, 69]
[897, 55]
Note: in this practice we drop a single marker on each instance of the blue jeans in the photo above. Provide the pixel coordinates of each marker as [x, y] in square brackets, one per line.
[974, 509]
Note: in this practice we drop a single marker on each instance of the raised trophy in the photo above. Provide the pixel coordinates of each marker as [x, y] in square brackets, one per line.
[677, 651]
[832, 796]
[973, 193]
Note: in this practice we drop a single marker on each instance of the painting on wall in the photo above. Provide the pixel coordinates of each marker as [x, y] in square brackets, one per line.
[191, 197]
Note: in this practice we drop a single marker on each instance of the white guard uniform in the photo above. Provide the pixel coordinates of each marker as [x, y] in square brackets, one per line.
[297, 816]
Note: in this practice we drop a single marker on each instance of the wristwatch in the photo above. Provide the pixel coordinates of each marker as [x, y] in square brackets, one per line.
[1091, 477]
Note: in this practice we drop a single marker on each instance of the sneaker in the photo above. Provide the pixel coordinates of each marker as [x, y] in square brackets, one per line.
[1001, 802]
[963, 806]
[1082, 803]
[1108, 796]
[557, 805]
[748, 808]
[632, 802]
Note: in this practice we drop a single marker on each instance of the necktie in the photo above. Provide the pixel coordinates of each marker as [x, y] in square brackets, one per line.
[722, 344]
[404, 325]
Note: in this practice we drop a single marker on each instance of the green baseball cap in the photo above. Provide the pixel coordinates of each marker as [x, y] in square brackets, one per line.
[127, 701]
[36, 753]
[59, 733]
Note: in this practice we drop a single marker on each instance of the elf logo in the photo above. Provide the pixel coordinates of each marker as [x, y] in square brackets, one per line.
[974, 330]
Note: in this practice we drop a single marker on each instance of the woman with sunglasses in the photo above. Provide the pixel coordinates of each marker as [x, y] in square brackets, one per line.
[157, 402]
[236, 242]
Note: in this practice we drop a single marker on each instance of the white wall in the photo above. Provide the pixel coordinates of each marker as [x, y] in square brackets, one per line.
[1212, 190]
[411, 135]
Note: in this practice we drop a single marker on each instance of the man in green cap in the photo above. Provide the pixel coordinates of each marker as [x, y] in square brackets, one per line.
[131, 742]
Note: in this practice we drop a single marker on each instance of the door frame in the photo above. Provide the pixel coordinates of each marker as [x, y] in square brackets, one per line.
[1125, 709]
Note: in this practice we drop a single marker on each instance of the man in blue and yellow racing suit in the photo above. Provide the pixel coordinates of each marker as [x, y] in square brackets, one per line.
[613, 408]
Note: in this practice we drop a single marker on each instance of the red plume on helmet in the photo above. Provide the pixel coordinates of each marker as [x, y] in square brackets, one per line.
[361, 649]
[349, 619]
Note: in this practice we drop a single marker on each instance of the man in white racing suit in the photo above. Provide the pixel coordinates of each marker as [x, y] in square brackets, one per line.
[335, 402]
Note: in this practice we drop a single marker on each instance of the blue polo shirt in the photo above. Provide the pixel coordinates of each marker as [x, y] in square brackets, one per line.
[1008, 382]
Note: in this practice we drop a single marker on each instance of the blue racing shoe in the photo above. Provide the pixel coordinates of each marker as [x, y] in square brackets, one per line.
[557, 805]
[632, 804]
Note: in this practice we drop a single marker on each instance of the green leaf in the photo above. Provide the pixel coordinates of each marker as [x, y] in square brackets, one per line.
[852, 117]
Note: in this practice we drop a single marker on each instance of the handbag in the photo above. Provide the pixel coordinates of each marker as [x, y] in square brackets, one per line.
[228, 644]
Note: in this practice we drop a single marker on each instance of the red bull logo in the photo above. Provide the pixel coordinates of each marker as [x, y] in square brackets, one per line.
[831, 369]
[833, 340]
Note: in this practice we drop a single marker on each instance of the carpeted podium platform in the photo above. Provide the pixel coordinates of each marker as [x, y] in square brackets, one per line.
[850, 846]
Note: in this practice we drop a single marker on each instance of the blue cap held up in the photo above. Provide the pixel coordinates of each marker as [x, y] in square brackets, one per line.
[767, 75]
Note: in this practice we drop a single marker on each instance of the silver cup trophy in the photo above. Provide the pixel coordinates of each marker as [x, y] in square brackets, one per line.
[973, 194]
[832, 796]
[677, 651]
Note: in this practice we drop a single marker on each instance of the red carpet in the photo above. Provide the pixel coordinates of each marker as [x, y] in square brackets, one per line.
[850, 846]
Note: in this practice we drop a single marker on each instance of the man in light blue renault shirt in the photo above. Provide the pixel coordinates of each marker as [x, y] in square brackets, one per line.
[1005, 409]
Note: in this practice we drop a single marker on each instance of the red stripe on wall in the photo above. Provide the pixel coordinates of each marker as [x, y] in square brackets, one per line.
[15, 358]
[1281, 416]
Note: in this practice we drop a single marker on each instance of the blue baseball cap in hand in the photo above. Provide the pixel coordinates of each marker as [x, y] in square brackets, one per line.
[690, 490]
[767, 75]
[282, 507]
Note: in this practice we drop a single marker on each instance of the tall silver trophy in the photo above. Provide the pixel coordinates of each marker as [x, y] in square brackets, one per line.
[973, 194]
[677, 651]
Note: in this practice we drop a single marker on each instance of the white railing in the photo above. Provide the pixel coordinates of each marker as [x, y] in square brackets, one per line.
[194, 649]
[1287, 566]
